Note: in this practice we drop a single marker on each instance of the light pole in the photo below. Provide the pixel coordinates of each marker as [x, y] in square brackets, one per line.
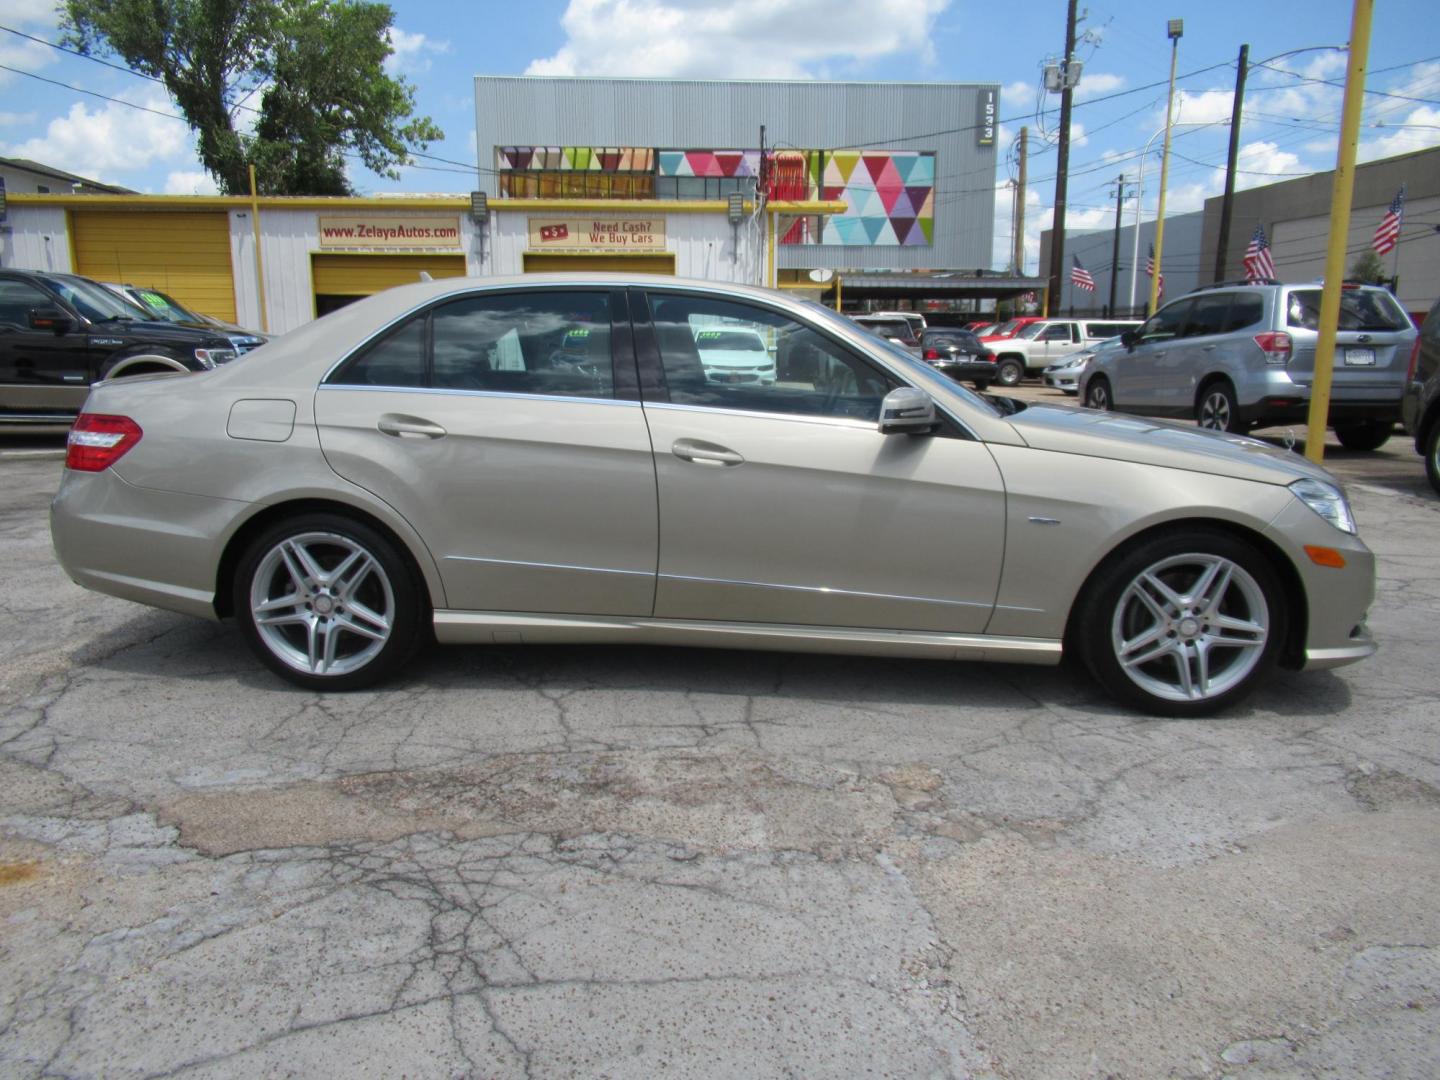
[1174, 29]
[1140, 199]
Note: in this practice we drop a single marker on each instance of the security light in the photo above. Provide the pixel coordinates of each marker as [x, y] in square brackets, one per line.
[479, 206]
[737, 207]
[1175, 29]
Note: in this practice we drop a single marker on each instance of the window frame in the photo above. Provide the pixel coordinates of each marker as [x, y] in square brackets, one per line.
[624, 377]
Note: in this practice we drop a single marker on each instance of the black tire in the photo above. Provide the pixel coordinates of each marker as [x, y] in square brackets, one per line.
[1218, 665]
[387, 598]
[1364, 434]
[1010, 372]
[1217, 410]
[1097, 394]
[981, 385]
[1432, 454]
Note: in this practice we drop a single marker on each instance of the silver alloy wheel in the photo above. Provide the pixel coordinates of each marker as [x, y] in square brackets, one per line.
[322, 604]
[1190, 627]
[1097, 395]
[1215, 410]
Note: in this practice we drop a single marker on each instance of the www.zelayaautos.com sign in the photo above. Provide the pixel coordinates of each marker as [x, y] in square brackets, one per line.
[374, 231]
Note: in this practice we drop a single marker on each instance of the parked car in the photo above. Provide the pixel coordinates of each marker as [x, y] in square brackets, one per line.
[1043, 341]
[1064, 374]
[59, 333]
[1236, 356]
[958, 354]
[418, 462]
[914, 318]
[1421, 407]
[892, 328]
[734, 355]
[1009, 328]
[162, 306]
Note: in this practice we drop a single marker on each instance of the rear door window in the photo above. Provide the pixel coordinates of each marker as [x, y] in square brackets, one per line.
[1166, 323]
[1207, 315]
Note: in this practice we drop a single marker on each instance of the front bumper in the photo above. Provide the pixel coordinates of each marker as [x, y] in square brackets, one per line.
[1068, 381]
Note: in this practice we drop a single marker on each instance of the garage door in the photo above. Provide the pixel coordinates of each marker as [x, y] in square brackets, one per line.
[184, 254]
[627, 264]
[362, 275]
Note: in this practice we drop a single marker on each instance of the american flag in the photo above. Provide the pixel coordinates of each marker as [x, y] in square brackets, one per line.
[1080, 277]
[1387, 233]
[1258, 262]
[1150, 269]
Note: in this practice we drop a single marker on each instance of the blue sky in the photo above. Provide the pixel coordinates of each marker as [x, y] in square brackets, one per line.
[1290, 128]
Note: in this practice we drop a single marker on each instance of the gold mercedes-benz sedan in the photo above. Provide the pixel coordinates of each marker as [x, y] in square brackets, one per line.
[566, 458]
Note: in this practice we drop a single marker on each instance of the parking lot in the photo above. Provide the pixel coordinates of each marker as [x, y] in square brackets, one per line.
[630, 862]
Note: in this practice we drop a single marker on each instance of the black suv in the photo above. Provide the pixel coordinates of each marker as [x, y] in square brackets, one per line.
[1421, 406]
[59, 333]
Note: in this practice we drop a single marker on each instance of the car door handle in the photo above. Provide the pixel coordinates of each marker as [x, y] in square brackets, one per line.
[409, 427]
[703, 453]
[1158, 355]
[1209, 348]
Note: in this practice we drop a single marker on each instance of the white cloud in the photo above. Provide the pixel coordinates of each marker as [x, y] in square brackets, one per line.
[412, 52]
[1418, 129]
[110, 141]
[742, 39]
[15, 118]
[1096, 83]
[23, 55]
[190, 183]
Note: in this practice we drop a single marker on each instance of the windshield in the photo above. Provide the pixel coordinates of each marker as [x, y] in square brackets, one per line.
[1360, 309]
[1005, 328]
[160, 306]
[729, 340]
[1031, 330]
[95, 302]
[918, 372]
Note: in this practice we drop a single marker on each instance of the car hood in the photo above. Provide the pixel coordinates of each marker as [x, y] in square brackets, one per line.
[1160, 442]
[153, 330]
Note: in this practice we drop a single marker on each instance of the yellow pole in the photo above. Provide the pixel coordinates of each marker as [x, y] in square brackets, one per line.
[839, 283]
[1164, 178]
[259, 266]
[1341, 196]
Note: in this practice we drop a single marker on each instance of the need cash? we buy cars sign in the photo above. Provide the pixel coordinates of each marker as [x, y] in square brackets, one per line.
[597, 234]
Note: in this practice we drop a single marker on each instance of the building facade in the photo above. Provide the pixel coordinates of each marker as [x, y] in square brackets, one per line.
[1180, 255]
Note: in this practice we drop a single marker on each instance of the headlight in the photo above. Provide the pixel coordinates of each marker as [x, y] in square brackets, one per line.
[210, 358]
[1328, 501]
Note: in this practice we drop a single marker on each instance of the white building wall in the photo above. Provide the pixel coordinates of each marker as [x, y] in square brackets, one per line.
[35, 238]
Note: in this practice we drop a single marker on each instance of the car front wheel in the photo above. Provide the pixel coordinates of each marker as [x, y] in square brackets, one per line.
[328, 603]
[1432, 455]
[1097, 394]
[1009, 372]
[1183, 624]
[1217, 409]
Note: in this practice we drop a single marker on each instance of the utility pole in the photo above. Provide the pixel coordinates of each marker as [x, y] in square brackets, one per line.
[1020, 207]
[1115, 248]
[1223, 244]
[1062, 167]
[1174, 28]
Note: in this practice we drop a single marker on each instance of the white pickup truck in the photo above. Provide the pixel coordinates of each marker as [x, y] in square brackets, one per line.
[1040, 344]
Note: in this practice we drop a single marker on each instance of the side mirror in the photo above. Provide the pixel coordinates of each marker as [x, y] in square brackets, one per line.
[50, 318]
[1128, 338]
[907, 411]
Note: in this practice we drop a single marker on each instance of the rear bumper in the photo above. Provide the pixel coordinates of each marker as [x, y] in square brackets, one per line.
[967, 370]
[1295, 409]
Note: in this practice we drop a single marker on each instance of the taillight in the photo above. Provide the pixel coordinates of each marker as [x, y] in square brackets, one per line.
[1275, 345]
[932, 354]
[98, 440]
[1414, 360]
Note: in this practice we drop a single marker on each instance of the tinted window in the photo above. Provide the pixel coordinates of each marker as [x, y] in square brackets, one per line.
[1105, 329]
[397, 359]
[95, 302]
[552, 343]
[811, 374]
[1031, 330]
[1246, 309]
[896, 328]
[17, 298]
[1166, 323]
[1207, 315]
[1360, 309]
[1058, 332]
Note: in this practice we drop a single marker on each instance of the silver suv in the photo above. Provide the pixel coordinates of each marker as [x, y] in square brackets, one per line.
[1236, 356]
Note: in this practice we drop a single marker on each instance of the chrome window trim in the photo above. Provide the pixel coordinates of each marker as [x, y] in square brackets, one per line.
[549, 566]
[826, 589]
[508, 394]
[829, 421]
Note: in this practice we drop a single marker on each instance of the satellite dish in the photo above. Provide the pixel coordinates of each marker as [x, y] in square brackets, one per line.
[821, 276]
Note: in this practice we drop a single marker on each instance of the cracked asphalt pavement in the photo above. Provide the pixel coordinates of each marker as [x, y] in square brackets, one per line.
[631, 862]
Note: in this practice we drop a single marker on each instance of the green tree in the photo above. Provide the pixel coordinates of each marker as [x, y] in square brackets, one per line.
[1368, 268]
[313, 71]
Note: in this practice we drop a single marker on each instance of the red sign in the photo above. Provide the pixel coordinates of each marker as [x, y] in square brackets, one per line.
[554, 232]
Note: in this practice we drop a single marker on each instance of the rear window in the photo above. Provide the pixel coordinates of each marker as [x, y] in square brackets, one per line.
[1006, 327]
[1246, 309]
[1360, 309]
[1106, 329]
[887, 327]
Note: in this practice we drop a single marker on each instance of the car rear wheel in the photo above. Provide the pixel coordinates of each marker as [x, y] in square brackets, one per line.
[1009, 372]
[328, 603]
[1183, 624]
[1097, 394]
[1364, 434]
[1217, 409]
[1432, 455]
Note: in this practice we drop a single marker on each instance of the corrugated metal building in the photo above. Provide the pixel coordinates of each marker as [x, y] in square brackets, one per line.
[1181, 256]
[914, 162]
